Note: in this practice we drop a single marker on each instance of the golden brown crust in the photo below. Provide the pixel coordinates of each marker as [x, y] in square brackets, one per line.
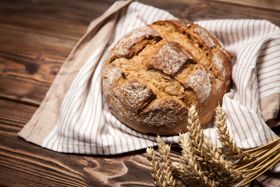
[155, 73]
[133, 42]
[133, 95]
[169, 59]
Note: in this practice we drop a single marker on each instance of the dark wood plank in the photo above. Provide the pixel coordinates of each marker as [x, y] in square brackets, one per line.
[53, 18]
[267, 4]
[43, 48]
[35, 39]
[205, 10]
[36, 166]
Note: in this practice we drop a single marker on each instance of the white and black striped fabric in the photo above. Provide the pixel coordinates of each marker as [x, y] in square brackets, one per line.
[85, 124]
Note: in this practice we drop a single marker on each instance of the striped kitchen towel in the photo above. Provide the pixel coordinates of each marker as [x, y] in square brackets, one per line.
[73, 117]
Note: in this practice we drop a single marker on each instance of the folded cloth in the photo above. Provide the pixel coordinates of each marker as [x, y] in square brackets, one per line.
[73, 117]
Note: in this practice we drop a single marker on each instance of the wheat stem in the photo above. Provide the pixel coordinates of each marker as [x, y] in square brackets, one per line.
[221, 170]
[156, 170]
[261, 171]
[164, 151]
[192, 161]
[225, 138]
[202, 163]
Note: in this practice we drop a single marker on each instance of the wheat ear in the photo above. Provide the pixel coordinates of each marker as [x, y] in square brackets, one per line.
[194, 129]
[178, 173]
[164, 151]
[224, 171]
[156, 170]
[196, 138]
[225, 138]
[191, 160]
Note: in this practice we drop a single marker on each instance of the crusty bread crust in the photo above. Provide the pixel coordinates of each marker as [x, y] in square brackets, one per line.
[155, 73]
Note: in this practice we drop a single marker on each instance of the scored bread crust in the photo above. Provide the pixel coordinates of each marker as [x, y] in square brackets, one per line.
[155, 73]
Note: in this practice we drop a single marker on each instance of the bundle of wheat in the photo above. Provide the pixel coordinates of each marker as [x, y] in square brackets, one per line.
[203, 164]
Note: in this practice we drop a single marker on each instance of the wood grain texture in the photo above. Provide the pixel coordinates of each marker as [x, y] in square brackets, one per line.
[35, 39]
[204, 10]
[268, 4]
[36, 166]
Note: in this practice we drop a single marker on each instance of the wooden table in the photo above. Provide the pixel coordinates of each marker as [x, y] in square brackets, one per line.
[35, 38]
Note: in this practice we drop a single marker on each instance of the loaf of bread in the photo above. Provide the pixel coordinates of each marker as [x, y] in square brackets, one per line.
[155, 73]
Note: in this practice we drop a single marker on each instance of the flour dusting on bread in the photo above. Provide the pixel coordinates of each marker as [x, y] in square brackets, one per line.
[170, 58]
[199, 81]
[133, 95]
[155, 73]
[123, 48]
[113, 74]
[217, 61]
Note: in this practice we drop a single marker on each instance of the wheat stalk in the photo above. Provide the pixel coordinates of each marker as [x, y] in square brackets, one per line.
[194, 129]
[191, 160]
[164, 151]
[196, 138]
[222, 169]
[268, 156]
[202, 163]
[156, 170]
[185, 173]
[225, 138]
[179, 173]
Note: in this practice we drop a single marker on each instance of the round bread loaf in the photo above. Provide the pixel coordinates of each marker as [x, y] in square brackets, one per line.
[155, 73]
